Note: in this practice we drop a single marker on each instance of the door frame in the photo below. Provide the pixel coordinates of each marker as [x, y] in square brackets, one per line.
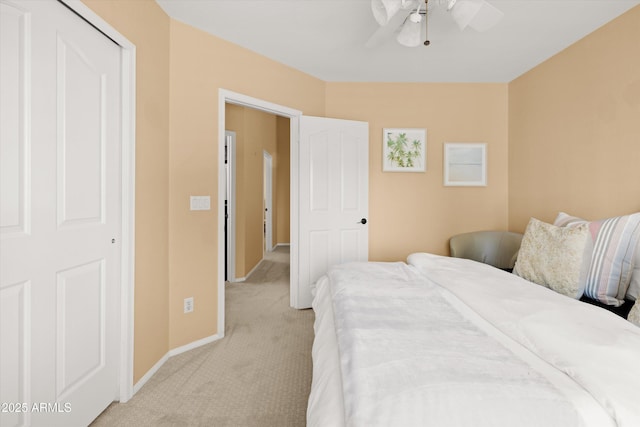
[226, 96]
[230, 183]
[128, 147]
[267, 185]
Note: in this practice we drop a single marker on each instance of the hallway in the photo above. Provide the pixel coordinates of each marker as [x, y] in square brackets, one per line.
[258, 375]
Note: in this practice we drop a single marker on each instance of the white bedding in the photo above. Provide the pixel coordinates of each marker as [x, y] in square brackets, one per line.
[436, 343]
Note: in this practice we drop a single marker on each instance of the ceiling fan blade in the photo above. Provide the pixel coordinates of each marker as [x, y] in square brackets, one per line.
[384, 33]
[477, 14]
[488, 16]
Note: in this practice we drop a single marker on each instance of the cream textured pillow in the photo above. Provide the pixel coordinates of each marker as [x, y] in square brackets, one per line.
[552, 256]
[634, 314]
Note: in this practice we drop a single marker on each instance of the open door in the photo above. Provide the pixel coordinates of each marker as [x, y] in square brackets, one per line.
[268, 201]
[334, 197]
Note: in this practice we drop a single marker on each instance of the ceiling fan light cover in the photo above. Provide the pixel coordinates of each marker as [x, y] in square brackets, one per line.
[410, 34]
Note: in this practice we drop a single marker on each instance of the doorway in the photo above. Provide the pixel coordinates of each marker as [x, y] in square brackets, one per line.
[300, 296]
[224, 97]
[257, 210]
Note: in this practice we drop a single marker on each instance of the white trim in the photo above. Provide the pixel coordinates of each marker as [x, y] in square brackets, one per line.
[150, 373]
[174, 352]
[294, 225]
[242, 279]
[194, 344]
[225, 96]
[282, 244]
[231, 205]
[128, 147]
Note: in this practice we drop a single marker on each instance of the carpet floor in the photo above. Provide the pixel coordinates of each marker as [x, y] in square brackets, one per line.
[258, 375]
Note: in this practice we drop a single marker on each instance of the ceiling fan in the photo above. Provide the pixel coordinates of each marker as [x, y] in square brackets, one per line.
[407, 16]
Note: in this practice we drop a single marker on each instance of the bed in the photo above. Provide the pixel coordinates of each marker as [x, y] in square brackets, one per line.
[450, 342]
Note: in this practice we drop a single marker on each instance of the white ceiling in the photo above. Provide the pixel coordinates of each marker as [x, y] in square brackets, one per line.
[326, 38]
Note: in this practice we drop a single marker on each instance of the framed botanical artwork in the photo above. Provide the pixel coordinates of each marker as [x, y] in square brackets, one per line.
[465, 164]
[404, 150]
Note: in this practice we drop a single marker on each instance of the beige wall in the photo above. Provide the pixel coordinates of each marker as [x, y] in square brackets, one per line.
[200, 65]
[147, 26]
[261, 136]
[574, 129]
[411, 212]
[283, 181]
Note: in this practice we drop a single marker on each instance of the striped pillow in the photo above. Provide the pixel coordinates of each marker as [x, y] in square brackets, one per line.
[633, 293]
[614, 244]
[634, 314]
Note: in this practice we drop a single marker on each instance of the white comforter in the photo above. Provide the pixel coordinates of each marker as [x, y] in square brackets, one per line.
[449, 342]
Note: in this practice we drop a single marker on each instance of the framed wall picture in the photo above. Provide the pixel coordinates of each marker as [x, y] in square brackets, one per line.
[404, 150]
[465, 164]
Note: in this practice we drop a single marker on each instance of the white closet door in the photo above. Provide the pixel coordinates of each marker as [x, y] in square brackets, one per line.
[60, 216]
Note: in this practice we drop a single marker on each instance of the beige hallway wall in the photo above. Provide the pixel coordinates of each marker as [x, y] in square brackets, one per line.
[255, 133]
[574, 129]
[261, 136]
[282, 197]
[411, 212]
[147, 26]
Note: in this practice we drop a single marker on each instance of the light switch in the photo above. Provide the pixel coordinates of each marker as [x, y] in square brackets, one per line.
[200, 203]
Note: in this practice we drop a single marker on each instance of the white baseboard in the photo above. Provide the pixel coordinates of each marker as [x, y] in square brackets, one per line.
[242, 279]
[146, 377]
[174, 352]
[195, 344]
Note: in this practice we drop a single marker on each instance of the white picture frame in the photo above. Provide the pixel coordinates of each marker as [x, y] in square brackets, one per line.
[404, 150]
[465, 164]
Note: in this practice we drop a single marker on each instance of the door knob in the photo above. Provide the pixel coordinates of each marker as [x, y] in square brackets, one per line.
[363, 221]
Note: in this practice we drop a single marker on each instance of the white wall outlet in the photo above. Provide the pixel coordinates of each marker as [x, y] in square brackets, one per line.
[200, 203]
[188, 305]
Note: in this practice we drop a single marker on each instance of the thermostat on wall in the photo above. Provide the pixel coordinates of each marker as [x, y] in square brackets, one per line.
[200, 203]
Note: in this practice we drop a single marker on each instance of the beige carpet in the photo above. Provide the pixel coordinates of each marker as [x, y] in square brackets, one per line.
[259, 374]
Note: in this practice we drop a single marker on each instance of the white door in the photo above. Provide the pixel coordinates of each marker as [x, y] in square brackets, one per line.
[268, 204]
[59, 216]
[334, 189]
